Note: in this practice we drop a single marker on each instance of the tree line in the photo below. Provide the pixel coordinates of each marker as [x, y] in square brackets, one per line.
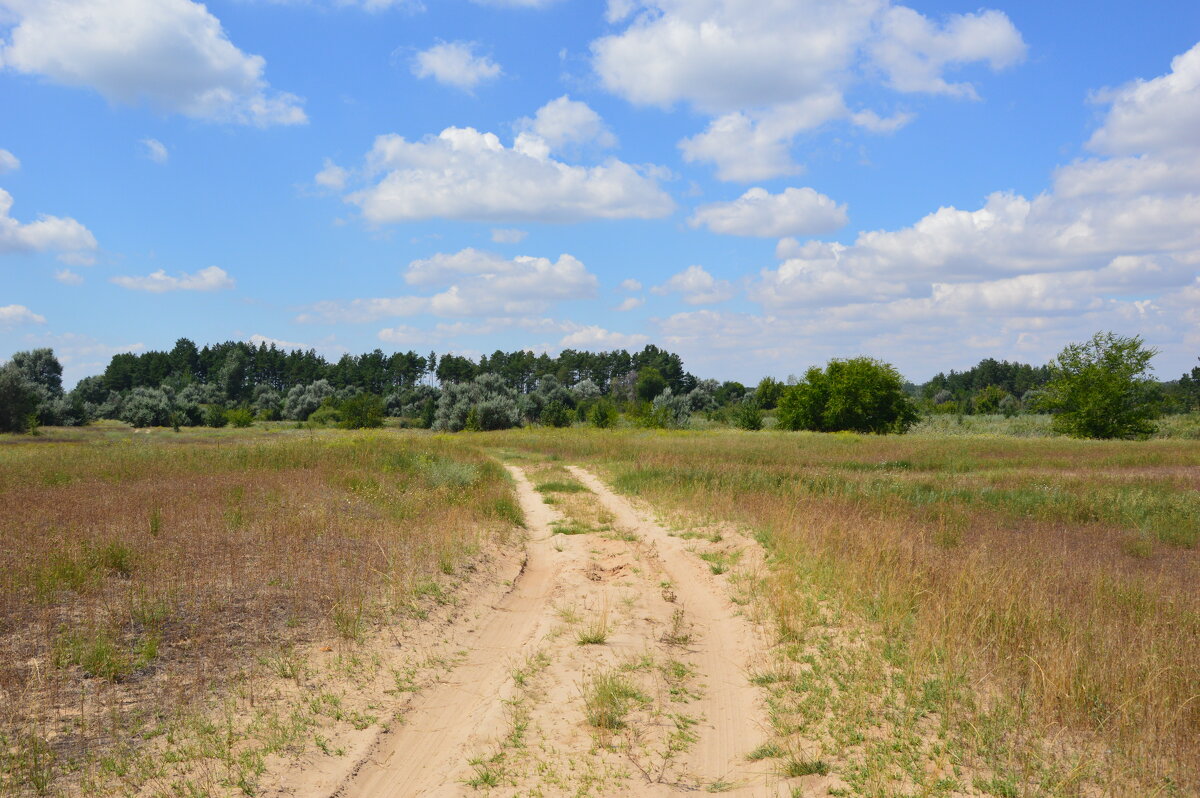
[238, 382]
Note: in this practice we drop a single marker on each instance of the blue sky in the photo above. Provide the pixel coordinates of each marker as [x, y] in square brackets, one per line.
[759, 185]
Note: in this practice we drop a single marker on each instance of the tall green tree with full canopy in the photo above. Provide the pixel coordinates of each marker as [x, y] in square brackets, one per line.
[860, 394]
[1102, 389]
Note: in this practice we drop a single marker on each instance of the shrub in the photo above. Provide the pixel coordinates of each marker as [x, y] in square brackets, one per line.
[556, 414]
[216, 416]
[768, 392]
[146, 407]
[748, 416]
[487, 402]
[670, 411]
[303, 400]
[603, 415]
[362, 412]
[325, 415]
[240, 417]
[859, 394]
[1102, 389]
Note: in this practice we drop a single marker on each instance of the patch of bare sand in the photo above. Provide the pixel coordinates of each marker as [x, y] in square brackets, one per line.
[515, 714]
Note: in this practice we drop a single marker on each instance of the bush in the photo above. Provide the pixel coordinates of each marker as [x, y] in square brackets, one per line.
[768, 392]
[860, 395]
[1102, 389]
[556, 414]
[603, 415]
[325, 415]
[748, 416]
[303, 400]
[216, 416]
[362, 412]
[241, 417]
[670, 411]
[146, 407]
[486, 402]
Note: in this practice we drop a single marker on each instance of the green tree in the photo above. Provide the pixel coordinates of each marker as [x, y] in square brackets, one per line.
[1102, 389]
[767, 394]
[18, 399]
[362, 411]
[988, 400]
[650, 383]
[860, 394]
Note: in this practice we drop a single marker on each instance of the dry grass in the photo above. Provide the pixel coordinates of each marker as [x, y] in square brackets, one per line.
[1040, 594]
[140, 573]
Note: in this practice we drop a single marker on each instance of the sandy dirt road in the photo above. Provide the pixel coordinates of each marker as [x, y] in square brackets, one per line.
[616, 665]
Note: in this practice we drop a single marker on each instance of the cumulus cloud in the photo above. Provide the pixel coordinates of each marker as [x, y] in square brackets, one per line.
[332, 176]
[8, 162]
[155, 150]
[767, 72]
[697, 286]
[565, 121]
[468, 175]
[598, 339]
[455, 64]
[914, 52]
[474, 283]
[48, 233]
[212, 278]
[508, 235]
[68, 277]
[631, 284]
[795, 211]
[1113, 244]
[171, 54]
[80, 355]
[14, 315]
[630, 303]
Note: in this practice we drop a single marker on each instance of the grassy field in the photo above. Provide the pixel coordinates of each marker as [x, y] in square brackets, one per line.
[1023, 609]
[1039, 595]
[143, 574]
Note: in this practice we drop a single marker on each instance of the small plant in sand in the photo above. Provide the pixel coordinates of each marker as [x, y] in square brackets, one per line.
[596, 632]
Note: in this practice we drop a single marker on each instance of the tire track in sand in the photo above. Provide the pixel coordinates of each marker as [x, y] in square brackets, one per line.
[467, 719]
[425, 755]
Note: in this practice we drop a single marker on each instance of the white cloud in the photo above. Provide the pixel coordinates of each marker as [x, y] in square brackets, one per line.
[47, 233]
[630, 303]
[795, 211]
[1113, 244]
[155, 150]
[455, 64]
[332, 176]
[598, 339]
[503, 235]
[212, 278]
[172, 54]
[565, 121]
[473, 283]
[68, 277]
[914, 52]
[468, 175]
[404, 335]
[768, 71]
[697, 286]
[80, 355]
[8, 162]
[631, 284]
[14, 315]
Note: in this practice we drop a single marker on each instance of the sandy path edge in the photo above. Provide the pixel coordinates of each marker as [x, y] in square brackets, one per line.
[726, 647]
[422, 756]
